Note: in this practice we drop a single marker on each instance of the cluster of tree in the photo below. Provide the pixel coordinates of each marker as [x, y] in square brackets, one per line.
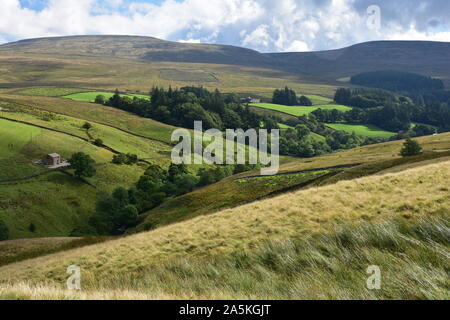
[288, 97]
[298, 141]
[391, 112]
[397, 81]
[181, 107]
[120, 210]
[366, 98]
[128, 159]
[431, 96]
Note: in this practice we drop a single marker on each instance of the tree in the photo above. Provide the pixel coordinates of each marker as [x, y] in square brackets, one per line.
[116, 100]
[126, 216]
[304, 101]
[4, 231]
[286, 97]
[83, 165]
[177, 170]
[302, 131]
[411, 148]
[87, 126]
[185, 183]
[100, 99]
[343, 96]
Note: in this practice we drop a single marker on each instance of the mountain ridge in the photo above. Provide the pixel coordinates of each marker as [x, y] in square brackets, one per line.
[330, 64]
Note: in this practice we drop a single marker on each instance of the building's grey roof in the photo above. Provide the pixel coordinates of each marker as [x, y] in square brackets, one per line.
[54, 155]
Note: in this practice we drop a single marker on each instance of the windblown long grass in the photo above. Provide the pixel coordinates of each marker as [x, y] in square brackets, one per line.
[413, 258]
[314, 243]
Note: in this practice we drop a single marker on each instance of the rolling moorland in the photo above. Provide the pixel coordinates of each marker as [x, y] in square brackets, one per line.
[307, 233]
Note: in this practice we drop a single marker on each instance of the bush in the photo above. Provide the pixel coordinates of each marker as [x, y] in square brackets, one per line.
[128, 159]
[411, 148]
[100, 99]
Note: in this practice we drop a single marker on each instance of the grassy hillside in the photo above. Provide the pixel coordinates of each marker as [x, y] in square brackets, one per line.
[156, 151]
[293, 251]
[56, 202]
[96, 113]
[239, 189]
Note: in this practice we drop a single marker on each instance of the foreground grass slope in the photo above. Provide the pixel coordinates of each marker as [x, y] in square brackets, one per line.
[286, 247]
[330, 266]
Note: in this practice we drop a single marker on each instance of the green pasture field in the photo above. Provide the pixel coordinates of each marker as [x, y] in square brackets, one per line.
[366, 130]
[97, 113]
[14, 136]
[90, 96]
[318, 100]
[299, 110]
[154, 151]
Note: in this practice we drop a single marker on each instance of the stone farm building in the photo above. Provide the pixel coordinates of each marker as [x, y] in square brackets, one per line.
[52, 159]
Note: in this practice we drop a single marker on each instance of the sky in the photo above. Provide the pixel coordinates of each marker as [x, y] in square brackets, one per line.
[263, 25]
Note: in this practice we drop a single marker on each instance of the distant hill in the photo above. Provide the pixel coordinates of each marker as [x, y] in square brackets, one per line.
[422, 57]
[426, 58]
[142, 48]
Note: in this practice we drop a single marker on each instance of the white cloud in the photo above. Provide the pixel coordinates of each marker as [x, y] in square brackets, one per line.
[265, 25]
[258, 38]
[297, 46]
